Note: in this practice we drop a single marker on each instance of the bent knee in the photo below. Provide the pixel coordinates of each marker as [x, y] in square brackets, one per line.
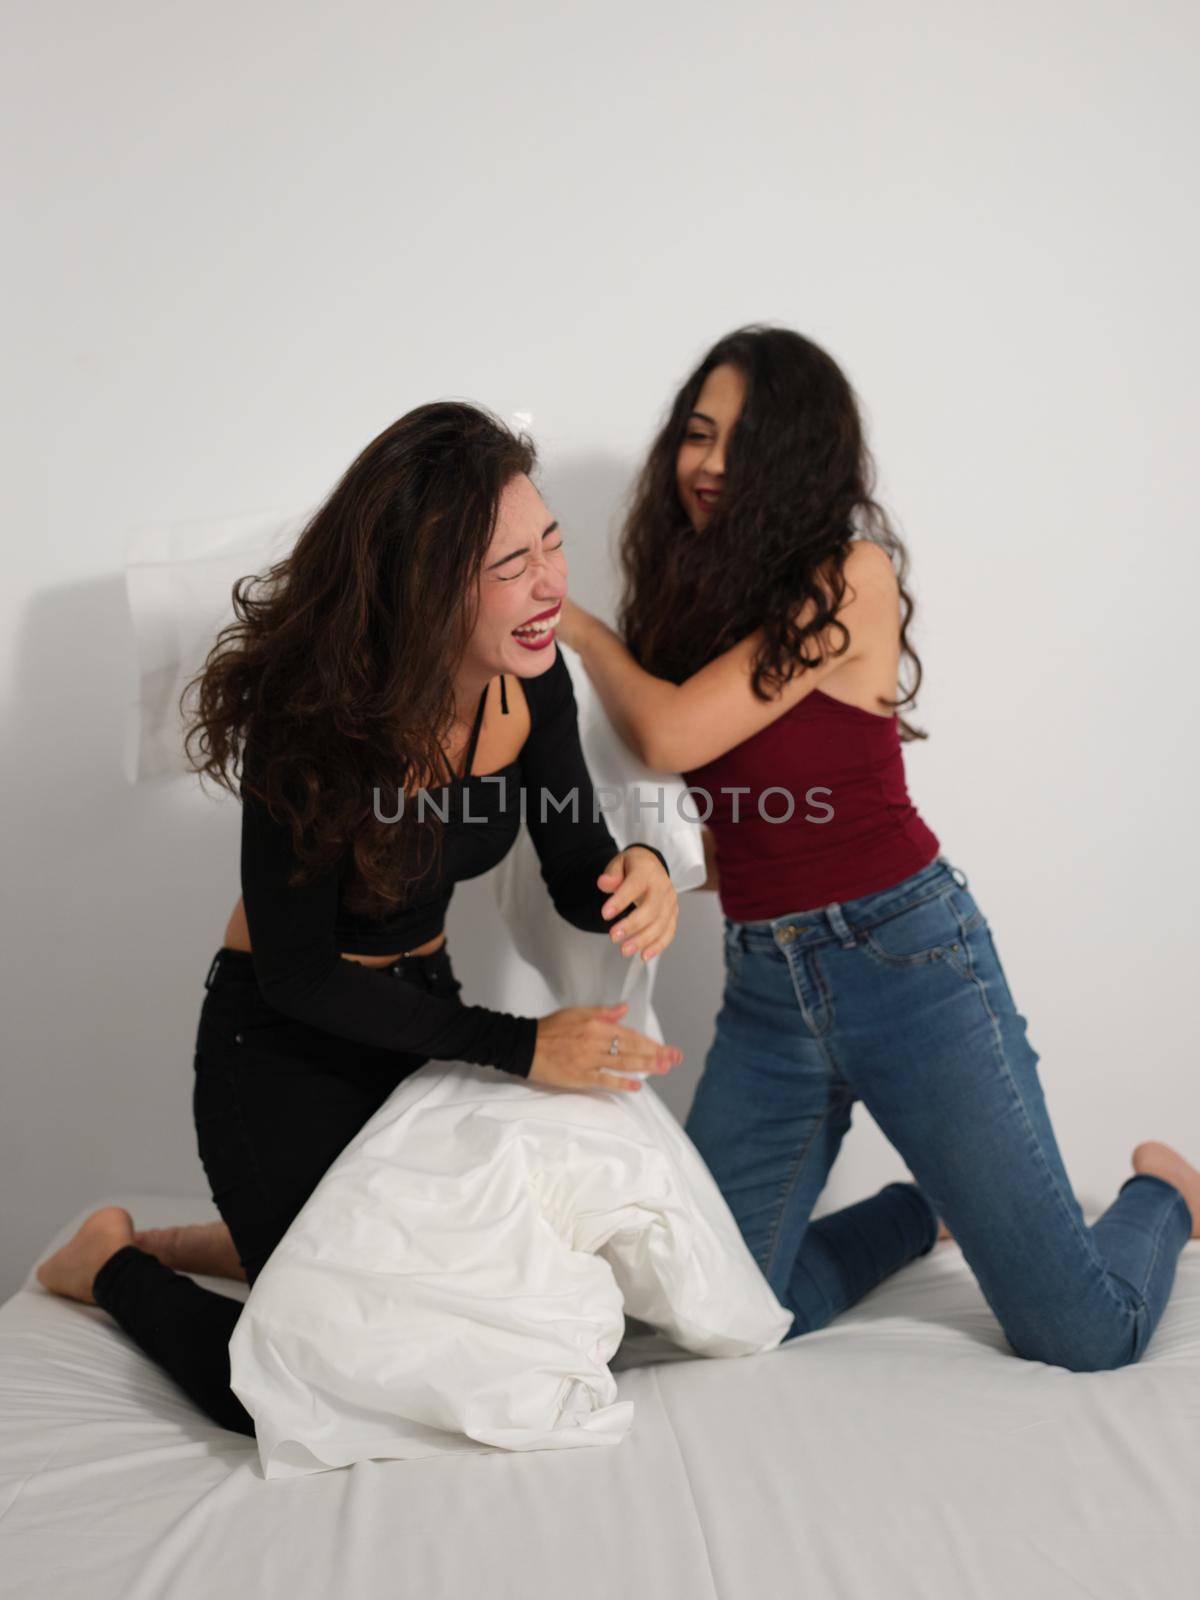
[1083, 1352]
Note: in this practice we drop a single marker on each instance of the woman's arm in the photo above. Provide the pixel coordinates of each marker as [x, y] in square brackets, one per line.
[591, 882]
[678, 727]
[302, 973]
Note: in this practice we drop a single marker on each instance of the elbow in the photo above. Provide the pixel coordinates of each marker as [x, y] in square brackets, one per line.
[669, 743]
[667, 753]
[662, 730]
[646, 749]
[643, 737]
[654, 748]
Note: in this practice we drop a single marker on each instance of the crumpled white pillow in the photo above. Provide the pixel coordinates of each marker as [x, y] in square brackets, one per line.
[460, 1277]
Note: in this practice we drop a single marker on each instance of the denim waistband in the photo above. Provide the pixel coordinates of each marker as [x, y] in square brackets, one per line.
[843, 920]
[236, 967]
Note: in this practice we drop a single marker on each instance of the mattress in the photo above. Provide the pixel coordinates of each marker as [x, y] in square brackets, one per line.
[903, 1451]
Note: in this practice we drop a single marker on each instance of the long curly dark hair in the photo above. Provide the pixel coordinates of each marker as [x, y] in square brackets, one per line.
[337, 675]
[798, 488]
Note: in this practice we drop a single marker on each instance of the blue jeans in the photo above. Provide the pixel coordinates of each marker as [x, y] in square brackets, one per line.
[898, 999]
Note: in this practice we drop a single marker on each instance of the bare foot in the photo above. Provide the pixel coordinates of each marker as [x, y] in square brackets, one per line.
[1160, 1161]
[70, 1271]
[205, 1247]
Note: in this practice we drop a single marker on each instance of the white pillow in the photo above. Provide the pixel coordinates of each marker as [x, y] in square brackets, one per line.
[586, 969]
[460, 1276]
[179, 582]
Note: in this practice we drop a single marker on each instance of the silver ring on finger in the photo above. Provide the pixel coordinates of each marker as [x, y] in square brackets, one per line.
[614, 1048]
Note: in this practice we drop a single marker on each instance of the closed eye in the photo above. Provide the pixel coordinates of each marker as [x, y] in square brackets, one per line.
[548, 547]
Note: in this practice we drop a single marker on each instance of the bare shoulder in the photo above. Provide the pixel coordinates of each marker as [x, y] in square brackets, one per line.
[872, 598]
[868, 567]
[871, 589]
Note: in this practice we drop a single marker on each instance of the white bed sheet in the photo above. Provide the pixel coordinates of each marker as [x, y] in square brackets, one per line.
[901, 1452]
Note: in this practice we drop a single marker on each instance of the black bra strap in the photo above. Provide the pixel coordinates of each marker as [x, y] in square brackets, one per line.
[475, 732]
[474, 740]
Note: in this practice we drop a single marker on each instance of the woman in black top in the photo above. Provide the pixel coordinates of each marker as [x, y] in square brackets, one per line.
[414, 617]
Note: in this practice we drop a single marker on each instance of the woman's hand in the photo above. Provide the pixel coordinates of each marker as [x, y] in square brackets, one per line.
[574, 1050]
[638, 875]
[571, 623]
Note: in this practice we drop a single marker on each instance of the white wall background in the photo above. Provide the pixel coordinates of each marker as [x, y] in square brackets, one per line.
[249, 236]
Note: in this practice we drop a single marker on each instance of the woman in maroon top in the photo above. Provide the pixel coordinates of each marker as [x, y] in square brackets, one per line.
[762, 631]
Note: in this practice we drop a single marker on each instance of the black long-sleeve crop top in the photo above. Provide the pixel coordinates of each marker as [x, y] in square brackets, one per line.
[297, 934]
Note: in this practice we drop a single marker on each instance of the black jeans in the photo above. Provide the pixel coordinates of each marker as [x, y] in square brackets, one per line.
[275, 1101]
